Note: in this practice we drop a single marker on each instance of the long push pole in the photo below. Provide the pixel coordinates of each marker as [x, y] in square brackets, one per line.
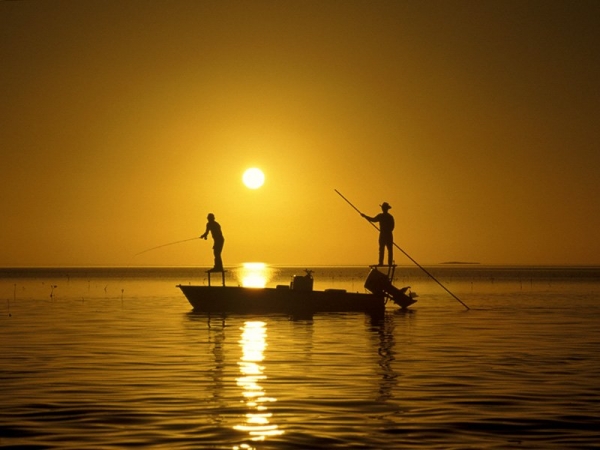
[406, 254]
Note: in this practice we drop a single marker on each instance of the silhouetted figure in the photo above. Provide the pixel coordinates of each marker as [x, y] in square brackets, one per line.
[386, 236]
[214, 228]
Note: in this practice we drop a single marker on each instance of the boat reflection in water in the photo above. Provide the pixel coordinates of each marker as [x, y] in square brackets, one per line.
[255, 274]
[257, 423]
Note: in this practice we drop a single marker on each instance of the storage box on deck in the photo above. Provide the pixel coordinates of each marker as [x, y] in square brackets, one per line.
[302, 283]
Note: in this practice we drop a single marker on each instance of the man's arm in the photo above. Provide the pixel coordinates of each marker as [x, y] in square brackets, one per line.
[205, 233]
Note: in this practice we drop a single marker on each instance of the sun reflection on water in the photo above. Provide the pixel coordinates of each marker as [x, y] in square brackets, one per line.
[255, 274]
[258, 420]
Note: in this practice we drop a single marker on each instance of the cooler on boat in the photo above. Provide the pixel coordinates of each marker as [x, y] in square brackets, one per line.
[302, 283]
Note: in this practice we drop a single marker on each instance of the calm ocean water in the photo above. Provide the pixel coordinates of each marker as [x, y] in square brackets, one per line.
[115, 358]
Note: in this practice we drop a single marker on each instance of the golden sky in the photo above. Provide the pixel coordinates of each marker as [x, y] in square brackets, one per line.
[124, 123]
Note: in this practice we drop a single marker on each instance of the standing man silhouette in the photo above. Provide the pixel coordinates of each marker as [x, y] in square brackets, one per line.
[386, 236]
[214, 228]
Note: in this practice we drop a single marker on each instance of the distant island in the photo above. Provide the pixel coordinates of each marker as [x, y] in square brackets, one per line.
[459, 262]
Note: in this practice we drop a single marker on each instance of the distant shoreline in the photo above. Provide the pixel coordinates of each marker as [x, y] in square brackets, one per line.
[459, 262]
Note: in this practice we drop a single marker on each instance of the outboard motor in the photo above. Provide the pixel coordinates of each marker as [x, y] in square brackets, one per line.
[302, 283]
[379, 284]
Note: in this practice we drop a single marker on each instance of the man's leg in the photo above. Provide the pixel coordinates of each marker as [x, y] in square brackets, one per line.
[390, 248]
[218, 248]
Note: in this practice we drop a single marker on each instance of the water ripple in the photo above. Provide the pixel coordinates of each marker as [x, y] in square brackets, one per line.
[519, 370]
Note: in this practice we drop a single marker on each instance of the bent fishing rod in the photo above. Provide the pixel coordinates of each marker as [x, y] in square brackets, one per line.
[406, 254]
[164, 245]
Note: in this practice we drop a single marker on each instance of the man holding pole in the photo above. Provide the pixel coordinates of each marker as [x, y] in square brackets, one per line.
[386, 228]
[393, 244]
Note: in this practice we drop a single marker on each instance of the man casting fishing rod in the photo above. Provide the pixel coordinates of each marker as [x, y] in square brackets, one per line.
[214, 228]
[386, 228]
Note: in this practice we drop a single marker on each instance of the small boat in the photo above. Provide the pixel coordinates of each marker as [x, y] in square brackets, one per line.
[299, 297]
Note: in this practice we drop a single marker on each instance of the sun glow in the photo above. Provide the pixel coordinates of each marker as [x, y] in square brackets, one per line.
[255, 274]
[258, 419]
[253, 178]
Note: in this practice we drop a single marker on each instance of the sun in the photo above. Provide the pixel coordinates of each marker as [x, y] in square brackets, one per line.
[253, 178]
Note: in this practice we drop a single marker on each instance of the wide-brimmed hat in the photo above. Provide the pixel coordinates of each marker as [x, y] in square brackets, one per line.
[386, 205]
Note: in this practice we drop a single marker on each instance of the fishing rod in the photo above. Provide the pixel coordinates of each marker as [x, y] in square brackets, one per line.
[164, 245]
[406, 254]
